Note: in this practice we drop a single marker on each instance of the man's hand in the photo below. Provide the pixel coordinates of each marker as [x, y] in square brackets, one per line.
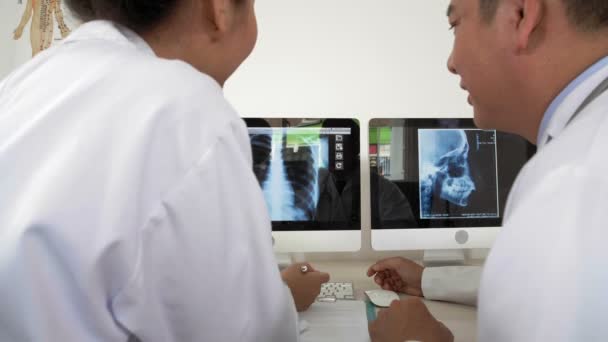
[305, 287]
[399, 275]
[408, 319]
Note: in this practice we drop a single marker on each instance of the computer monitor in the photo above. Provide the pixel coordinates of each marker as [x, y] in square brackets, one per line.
[440, 183]
[308, 170]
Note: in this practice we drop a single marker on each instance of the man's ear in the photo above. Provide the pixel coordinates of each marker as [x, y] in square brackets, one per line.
[531, 13]
[218, 16]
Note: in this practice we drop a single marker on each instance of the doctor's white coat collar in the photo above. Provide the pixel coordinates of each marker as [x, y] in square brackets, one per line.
[109, 31]
[571, 100]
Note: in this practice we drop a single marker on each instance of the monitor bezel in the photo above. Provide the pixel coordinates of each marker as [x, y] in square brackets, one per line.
[312, 229]
[479, 232]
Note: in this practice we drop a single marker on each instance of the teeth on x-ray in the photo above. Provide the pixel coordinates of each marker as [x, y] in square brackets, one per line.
[446, 185]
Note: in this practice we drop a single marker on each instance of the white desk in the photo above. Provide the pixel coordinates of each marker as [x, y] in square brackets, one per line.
[460, 319]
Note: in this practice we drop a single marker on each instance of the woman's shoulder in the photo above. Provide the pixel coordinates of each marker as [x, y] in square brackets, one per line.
[174, 78]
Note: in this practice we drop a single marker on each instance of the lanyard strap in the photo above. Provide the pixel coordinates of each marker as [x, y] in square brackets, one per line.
[599, 90]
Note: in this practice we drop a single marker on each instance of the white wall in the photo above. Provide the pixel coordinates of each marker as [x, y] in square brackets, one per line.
[321, 57]
[343, 58]
[8, 22]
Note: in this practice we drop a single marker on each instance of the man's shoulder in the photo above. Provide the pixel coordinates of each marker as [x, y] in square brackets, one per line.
[574, 161]
[583, 142]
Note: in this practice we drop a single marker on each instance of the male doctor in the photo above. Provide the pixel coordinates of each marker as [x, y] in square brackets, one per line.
[538, 68]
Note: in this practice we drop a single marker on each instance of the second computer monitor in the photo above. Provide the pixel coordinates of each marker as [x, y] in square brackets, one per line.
[308, 170]
[440, 183]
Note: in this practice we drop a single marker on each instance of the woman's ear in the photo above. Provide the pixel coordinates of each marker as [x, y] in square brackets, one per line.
[218, 15]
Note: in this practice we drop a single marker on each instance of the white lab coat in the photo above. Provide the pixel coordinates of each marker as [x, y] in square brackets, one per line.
[546, 277]
[127, 203]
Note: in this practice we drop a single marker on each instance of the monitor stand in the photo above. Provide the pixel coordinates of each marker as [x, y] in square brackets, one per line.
[443, 257]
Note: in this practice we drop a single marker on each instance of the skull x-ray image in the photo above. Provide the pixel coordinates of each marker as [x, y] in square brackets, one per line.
[458, 173]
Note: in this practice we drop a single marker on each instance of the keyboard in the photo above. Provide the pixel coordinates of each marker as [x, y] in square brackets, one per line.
[330, 292]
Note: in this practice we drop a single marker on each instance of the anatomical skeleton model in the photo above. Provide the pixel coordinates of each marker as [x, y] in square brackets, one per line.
[41, 32]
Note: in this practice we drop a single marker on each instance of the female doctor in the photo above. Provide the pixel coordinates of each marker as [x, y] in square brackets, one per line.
[129, 210]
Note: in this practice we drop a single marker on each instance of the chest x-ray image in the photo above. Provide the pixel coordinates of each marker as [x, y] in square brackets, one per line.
[287, 168]
[457, 170]
[308, 171]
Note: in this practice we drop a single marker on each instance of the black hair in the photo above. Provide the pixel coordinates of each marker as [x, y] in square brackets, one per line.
[138, 15]
[586, 15]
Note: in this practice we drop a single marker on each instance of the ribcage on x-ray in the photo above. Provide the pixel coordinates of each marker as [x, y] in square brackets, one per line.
[261, 146]
[288, 176]
[302, 174]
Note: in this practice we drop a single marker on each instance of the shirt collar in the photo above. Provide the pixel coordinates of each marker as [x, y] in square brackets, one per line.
[549, 126]
[110, 31]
